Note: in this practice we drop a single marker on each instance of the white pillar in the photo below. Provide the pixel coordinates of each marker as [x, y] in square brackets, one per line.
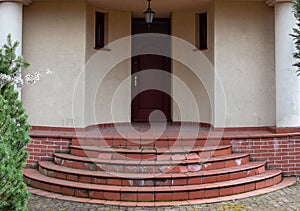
[11, 22]
[287, 82]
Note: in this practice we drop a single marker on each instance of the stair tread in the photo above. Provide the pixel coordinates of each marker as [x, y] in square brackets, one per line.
[34, 174]
[53, 167]
[151, 162]
[149, 150]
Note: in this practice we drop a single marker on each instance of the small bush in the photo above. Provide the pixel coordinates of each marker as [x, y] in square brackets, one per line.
[14, 130]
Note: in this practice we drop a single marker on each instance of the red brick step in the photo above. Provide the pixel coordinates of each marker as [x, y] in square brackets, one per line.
[104, 178]
[178, 165]
[164, 193]
[166, 142]
[146, 153]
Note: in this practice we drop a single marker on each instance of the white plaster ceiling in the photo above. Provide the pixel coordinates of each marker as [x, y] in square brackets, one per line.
[162, 8]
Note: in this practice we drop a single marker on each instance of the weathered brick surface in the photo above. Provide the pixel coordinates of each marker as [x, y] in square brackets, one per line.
[284, 199]
[280, 153]
[43, 149]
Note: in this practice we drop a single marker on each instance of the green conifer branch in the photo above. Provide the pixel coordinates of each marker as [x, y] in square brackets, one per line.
[14, 130]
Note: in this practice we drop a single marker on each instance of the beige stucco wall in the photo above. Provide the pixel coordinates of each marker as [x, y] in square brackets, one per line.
[54, 34]
[73, 94]
[91, 86]
[244, 61]
[194, 68]
[107, 69]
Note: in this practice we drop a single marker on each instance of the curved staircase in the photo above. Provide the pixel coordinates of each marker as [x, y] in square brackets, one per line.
[142, 170]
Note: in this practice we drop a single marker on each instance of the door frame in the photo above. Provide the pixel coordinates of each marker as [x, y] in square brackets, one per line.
[168, 21]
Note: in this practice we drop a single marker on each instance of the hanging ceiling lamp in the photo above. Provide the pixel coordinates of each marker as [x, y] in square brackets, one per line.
[149, 14]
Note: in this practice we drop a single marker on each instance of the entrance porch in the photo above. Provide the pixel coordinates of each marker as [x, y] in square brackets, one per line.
[231, 119]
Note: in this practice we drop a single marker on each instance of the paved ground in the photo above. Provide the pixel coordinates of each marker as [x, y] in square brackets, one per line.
[282, 200]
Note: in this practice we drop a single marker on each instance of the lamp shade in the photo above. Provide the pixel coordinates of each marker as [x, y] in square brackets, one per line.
[149, 14]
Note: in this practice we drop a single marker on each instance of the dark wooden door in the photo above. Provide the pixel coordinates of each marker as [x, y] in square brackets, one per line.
[151, 67]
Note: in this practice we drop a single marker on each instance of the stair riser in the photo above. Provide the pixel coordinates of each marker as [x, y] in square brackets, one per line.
[152, 181]
[108, 155]
[153, 194]
[168, 143]
[125, 168]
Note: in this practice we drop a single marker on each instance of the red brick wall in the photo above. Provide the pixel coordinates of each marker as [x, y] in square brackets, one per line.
[43, 149]
[280, 153]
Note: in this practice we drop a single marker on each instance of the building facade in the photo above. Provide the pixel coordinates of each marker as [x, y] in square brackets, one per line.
[244, 78]
[226, 65]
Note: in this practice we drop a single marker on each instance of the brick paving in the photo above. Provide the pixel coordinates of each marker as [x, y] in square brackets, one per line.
[281, 200]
